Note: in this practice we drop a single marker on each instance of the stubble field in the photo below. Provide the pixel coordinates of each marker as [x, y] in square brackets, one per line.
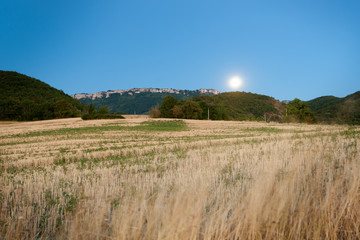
[169, 179]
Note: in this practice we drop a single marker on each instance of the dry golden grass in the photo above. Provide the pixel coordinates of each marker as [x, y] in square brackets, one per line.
[121, 179]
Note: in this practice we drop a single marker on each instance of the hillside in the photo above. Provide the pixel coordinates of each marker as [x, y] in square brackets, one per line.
[137, 100]
[242, 106]
[26, 98]
[331, 109]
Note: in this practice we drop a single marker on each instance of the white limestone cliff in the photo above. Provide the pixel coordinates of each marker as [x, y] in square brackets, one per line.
[140, 90]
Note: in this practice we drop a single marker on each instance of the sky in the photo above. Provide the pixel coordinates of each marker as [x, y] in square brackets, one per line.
[284, 49]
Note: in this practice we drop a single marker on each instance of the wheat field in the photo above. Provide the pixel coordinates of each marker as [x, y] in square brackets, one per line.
[142, 178]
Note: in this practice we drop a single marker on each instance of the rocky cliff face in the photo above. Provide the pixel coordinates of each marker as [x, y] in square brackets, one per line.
[134, 91]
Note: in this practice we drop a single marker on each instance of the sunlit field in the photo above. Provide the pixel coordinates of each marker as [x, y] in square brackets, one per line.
[170, 179]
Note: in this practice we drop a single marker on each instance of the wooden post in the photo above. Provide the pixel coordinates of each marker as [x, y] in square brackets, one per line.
[208, 113]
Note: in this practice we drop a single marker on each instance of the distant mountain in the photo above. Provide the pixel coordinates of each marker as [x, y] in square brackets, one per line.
[330, 109]
[26, 98]
[137, 100]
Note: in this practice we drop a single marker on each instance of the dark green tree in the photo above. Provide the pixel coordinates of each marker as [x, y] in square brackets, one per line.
[298, 111]
[167, 105]
[46, 111]
[191, 110]
[30, 110]
[103, 110]
[91, 109]
[10, 109]
[63, 109]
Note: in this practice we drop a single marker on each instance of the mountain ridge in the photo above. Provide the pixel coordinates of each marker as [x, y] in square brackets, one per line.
[330, 109]
[137, 100]
[133, 91]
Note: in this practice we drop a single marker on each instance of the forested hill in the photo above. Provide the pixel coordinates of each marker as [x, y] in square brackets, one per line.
[137, 100]
[330, 109]
[242, 106]
[26, 98]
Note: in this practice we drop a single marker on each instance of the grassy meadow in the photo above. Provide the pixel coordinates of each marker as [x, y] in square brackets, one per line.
[141, 178]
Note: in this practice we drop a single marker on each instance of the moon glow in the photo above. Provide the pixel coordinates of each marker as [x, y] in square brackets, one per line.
[235, 82]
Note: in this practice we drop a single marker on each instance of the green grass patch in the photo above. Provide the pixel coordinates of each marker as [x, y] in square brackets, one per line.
[350, 133]
[173, 125]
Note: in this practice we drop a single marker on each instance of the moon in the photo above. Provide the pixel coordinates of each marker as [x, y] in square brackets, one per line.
[235, 82]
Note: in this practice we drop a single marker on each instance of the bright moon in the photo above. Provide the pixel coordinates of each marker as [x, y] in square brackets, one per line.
[235, 82]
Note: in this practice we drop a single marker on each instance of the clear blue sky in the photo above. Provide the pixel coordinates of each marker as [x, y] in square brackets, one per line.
[284, 49]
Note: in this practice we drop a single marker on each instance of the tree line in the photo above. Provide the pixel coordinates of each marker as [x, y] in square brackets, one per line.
[187, 109]
[234, 106]
[90, 113]
[29, 110]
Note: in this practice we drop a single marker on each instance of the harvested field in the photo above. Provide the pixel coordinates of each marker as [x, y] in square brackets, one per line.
[140, 178]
